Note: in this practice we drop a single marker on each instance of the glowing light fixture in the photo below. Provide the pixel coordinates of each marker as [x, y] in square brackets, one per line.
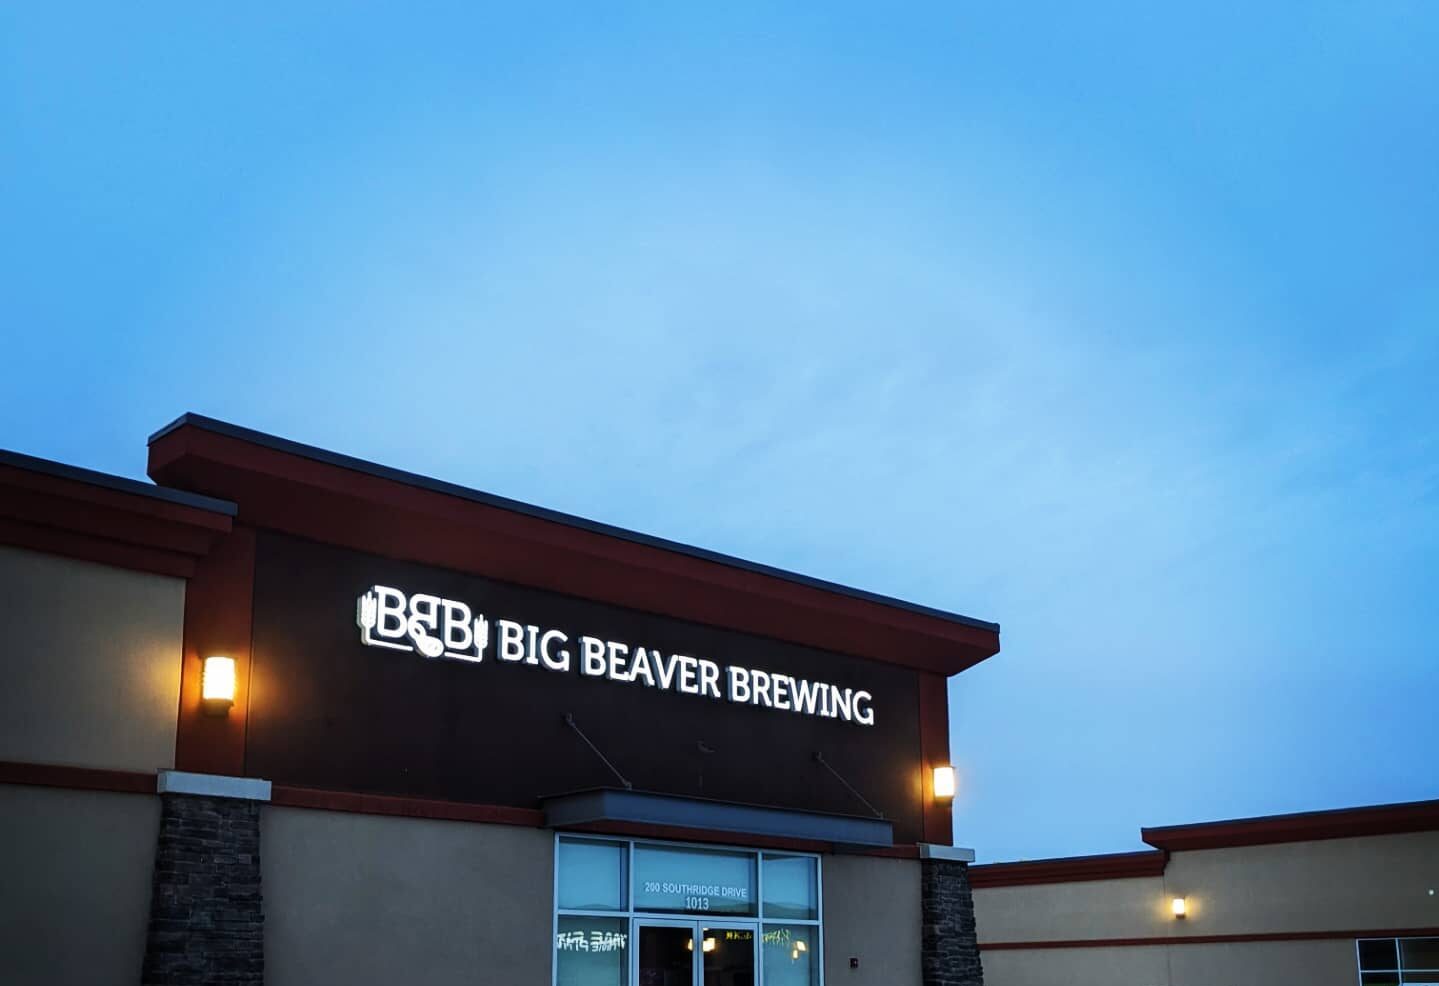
[1179, 906]
[217, 685]
[800, 946]
[710, 945]
[944, 782]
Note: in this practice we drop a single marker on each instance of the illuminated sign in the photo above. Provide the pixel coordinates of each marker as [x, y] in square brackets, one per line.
[446, 628]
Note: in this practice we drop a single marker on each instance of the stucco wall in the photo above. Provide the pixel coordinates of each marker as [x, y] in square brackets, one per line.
[1370, 882]
[1081, 967]
[89, 664]
[872, 912]
[366, 899]
[1063, 911]
[1375, 882]
[75, 871]
[1312, 963]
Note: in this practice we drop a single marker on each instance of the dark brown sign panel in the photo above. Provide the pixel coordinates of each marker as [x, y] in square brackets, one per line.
[327, 711]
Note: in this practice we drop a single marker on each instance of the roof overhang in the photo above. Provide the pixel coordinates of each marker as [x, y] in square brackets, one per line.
[630, 808]
[1308, 826]
[324, 496]
[64, 510]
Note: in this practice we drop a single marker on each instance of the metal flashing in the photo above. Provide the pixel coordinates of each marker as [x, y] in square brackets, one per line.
[638, 807]
[119, 484]
[543, 513]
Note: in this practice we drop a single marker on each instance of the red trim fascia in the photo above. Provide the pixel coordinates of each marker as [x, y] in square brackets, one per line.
[1311, 826]
[1008, 946]
[888, 852]
[379, 804]
[325, 502]
[286, 796]
[51, 541]
[218, 603]
[67, 516]
[1075, 869]
[76, 778]
[19, 478]
[938, 823]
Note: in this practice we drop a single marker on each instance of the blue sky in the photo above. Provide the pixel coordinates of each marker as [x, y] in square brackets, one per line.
[1117, 325]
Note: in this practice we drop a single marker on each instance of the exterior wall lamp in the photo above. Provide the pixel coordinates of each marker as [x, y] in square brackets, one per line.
[944, 783]
[217, 685]
[1179, 906]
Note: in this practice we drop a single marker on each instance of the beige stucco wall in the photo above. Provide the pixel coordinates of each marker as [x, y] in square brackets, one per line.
[1081, 967]
[1375, 882]
[75, 871]
[89, 662]
[1311, 963]
[366, 899]
[1064, 911]
[871, 912]
[1370, 882]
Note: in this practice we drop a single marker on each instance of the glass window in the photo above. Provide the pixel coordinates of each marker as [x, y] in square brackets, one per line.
[623, 905]
[1398, 961]
[1419, 953]
[700, 881]
[791, 887]
[1377, 953]
[591, 951]
[591, 875]
[791, 955]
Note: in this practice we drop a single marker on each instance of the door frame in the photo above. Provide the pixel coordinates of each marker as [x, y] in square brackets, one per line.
[730, 924]
[696, 926]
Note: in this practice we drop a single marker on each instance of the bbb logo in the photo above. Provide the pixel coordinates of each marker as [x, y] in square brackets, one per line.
[432, 626]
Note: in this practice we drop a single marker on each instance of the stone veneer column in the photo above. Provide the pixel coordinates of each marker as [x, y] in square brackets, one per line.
[949, 949]
[206, 920]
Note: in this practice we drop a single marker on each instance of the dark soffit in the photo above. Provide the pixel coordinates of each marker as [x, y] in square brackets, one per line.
[609, 805]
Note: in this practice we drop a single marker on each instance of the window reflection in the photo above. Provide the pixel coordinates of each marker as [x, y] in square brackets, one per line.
[695, 881]
[790, 887]
[791, 955]
[591, 951]
[591, 875]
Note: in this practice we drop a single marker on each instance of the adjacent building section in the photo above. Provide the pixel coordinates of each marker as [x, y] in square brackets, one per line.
[1330, 898]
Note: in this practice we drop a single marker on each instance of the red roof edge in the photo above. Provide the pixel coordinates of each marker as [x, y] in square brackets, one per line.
[330, 498]
[63, 510]
[1309, 826]
[1071, 869]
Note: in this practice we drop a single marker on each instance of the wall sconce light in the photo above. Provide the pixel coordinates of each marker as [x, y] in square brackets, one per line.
[944, 782]
[1179, 906]
[710, 945]
[217, 685]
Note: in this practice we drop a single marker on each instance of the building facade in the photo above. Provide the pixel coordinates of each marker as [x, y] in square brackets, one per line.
[1329, 898]
[289, 717]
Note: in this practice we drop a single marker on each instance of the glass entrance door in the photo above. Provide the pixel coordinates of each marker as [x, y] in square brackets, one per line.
[694, 953]
[727, 954]
[665, 955]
